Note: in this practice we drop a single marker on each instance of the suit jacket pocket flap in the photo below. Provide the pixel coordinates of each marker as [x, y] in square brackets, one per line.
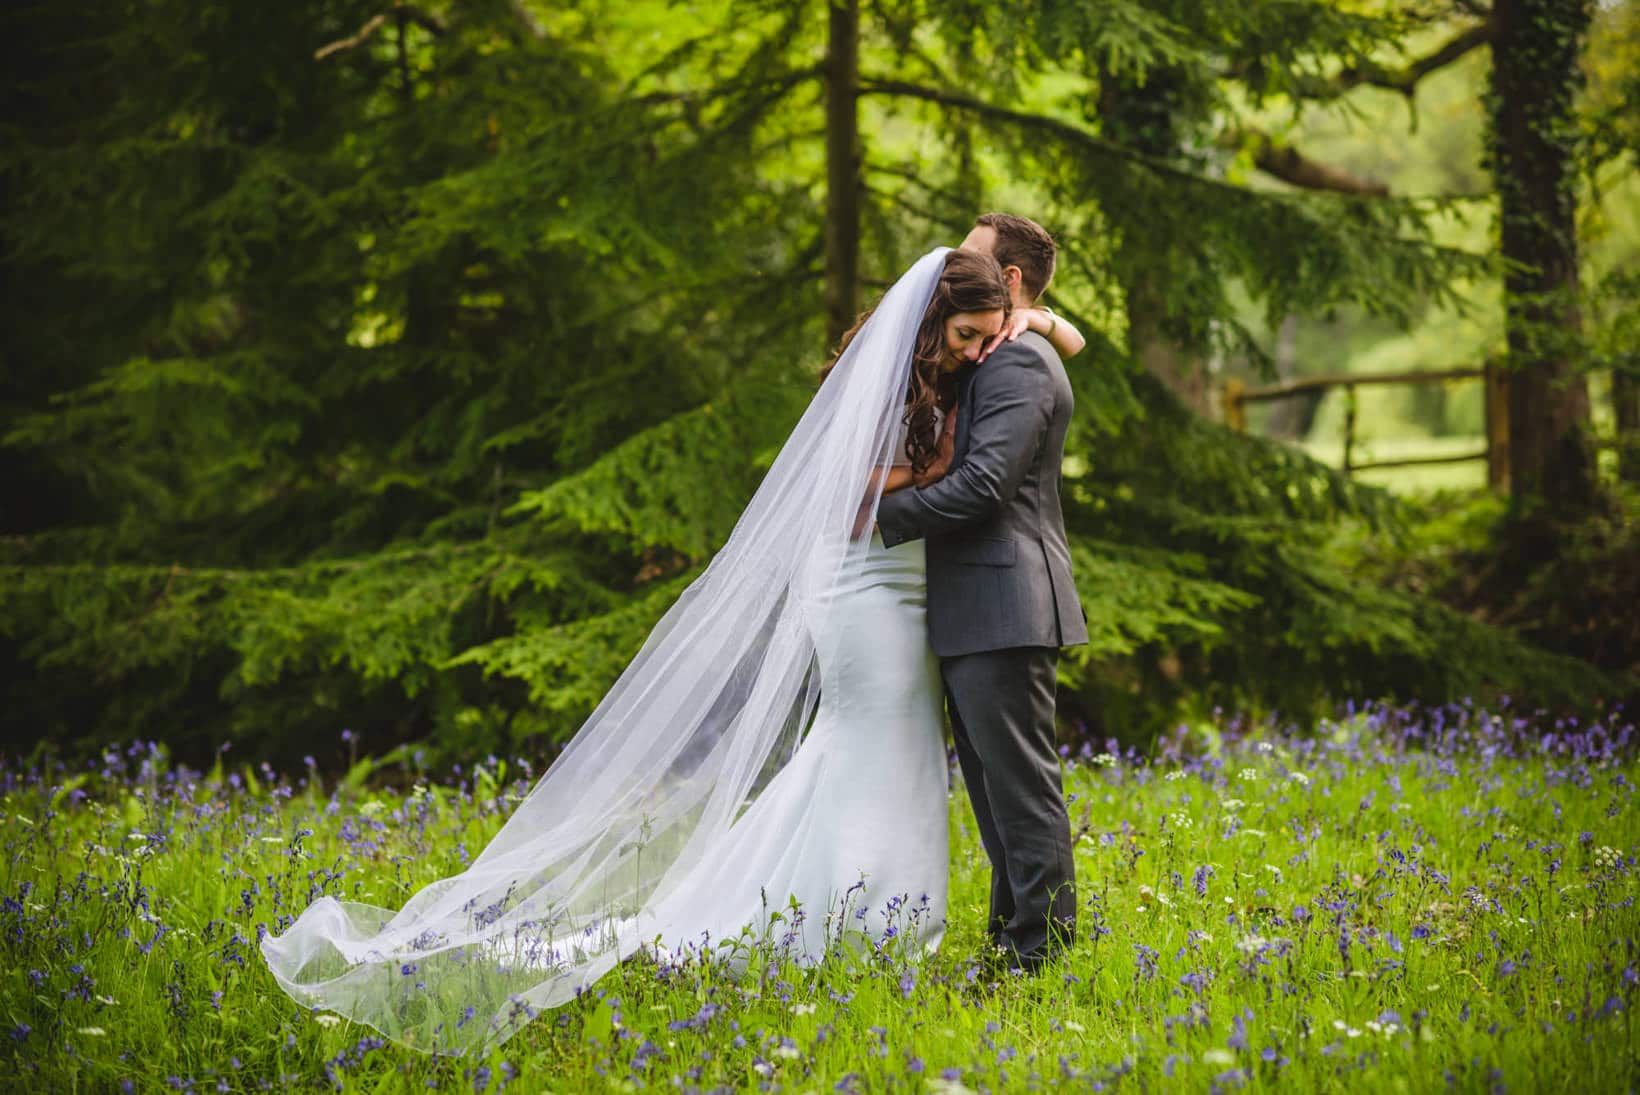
[985, 553]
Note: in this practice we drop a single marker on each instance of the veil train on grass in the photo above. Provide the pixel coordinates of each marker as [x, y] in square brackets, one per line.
[707, 714]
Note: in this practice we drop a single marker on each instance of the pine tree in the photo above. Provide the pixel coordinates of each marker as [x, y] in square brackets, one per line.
[395, 369]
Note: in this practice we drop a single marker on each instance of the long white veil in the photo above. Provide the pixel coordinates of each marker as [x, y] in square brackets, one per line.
[708, 712]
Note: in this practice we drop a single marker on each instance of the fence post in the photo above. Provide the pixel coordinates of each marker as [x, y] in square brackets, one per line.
[1349, 425]
[1497, 427]
[1235, 411]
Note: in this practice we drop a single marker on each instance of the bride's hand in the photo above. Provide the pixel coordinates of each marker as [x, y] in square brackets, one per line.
[943, 449]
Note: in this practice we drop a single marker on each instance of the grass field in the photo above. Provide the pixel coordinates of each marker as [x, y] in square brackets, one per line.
[1400, 900]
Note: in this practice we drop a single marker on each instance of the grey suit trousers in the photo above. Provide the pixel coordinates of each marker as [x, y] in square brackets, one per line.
[1001, 705]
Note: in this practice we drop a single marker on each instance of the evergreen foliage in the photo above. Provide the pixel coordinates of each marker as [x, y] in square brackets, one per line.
[403, 389]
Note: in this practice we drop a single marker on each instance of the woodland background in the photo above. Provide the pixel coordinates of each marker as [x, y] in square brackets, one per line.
[390, 369]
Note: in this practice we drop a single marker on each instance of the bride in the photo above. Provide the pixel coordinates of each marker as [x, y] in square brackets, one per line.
[769, 769]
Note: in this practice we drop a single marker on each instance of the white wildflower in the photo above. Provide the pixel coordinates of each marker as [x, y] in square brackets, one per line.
[1104, 760]
[273, 840]
[942, 1086]
[1075, 1027]
[1218, 1057]
[1247, 775]
[1299, 778]
[788, 1052]
[802, 1009]
[1606, 858]
[1176, 774]
[1180, 820]
[327, 1020]
[372, 808]
[1233, 804]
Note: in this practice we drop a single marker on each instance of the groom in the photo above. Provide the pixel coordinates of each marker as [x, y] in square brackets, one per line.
[1001, 603]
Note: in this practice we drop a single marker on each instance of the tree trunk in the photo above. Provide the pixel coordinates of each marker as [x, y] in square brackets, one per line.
[1626, 402]
[1535, 75]
[843, 182]
[1147, 117]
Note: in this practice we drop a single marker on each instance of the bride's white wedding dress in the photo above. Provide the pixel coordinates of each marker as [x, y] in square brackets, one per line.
[779, 738]
[853, 828]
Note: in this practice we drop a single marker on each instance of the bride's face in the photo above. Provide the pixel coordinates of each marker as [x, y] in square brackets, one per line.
[965, 335]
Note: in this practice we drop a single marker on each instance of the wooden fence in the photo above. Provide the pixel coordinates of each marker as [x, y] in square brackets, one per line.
[1238, 394]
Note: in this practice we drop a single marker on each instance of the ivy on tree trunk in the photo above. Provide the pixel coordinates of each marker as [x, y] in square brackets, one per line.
[1535, 77]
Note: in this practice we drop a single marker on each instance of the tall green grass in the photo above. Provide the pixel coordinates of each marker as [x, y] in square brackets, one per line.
[1398, 901]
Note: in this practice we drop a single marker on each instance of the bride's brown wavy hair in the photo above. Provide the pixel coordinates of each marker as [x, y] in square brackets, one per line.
[971, 282]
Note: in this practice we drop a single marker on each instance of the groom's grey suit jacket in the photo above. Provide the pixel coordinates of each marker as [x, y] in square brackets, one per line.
[999, 566]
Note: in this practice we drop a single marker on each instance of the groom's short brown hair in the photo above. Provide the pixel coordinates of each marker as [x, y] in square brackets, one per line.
[1023, 243]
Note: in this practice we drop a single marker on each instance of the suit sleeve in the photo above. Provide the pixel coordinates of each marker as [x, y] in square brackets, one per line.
[1010, 413]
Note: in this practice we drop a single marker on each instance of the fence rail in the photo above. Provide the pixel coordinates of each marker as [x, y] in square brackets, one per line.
[1238, 394]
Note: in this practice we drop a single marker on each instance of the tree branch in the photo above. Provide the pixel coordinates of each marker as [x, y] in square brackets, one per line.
[1405, 79]
[1072, 133]
[697, 96]
[415, 15]
[1291, 166]
[1286, 164]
